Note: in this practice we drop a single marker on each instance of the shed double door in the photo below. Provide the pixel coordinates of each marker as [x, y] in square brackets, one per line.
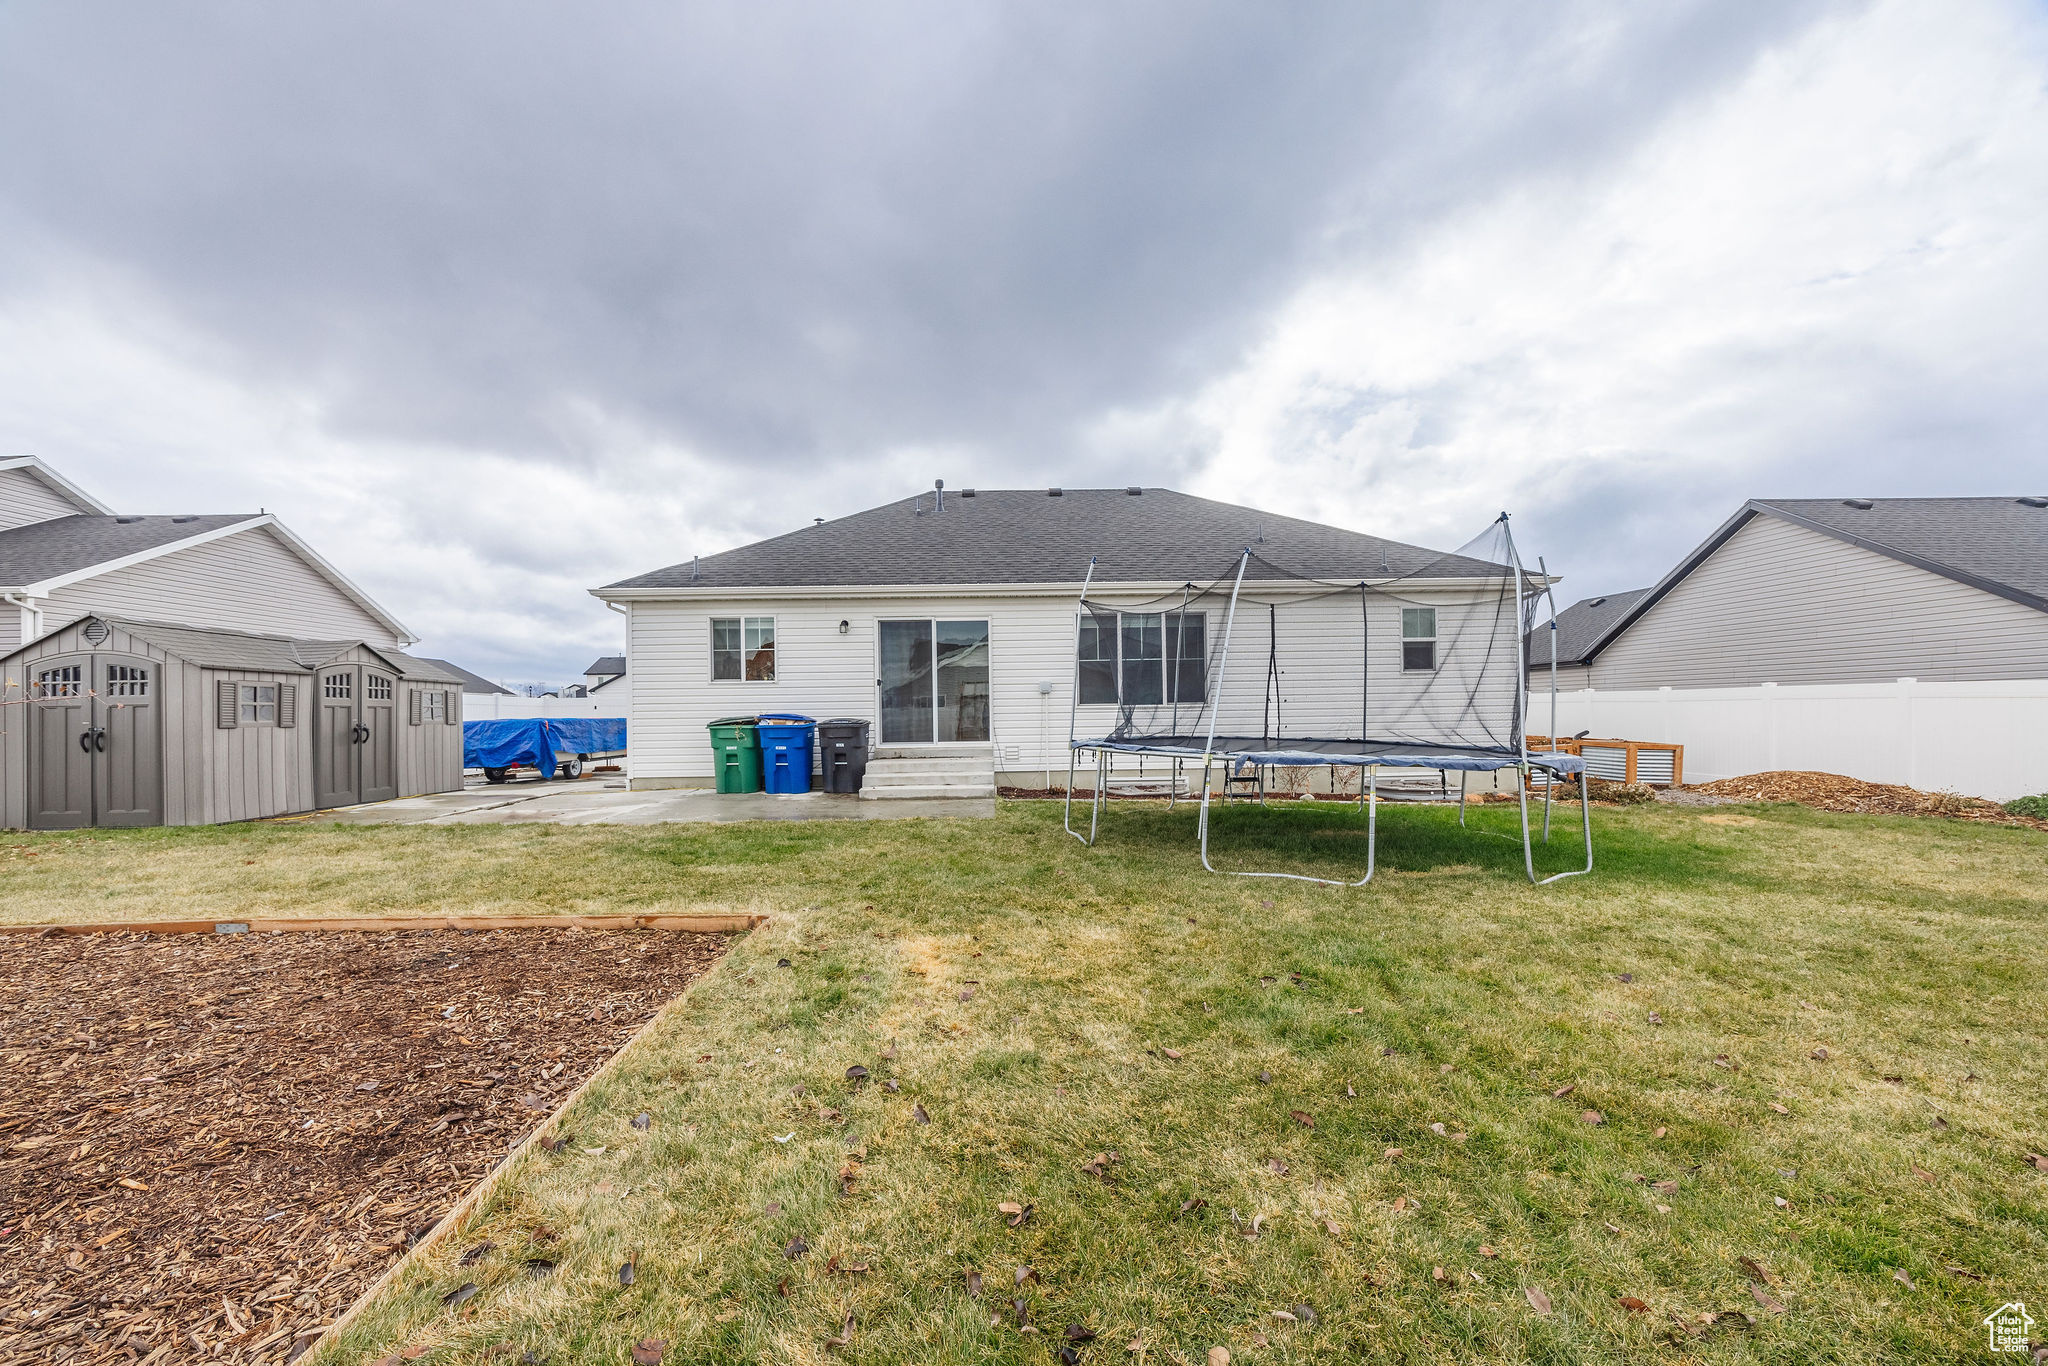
[355, 736]
[95, 743]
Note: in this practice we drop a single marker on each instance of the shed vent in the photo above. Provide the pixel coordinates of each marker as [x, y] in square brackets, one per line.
[180, 521]
[1860, 504]
[1055, 493]
[2034, 502]
[1596, 602]
[126, 520]
[966, 493]
[1135, 492]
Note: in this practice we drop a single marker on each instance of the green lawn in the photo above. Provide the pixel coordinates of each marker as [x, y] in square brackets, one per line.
[1025, 991]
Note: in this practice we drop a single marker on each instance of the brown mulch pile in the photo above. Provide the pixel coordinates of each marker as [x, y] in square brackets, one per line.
[210, 1145]
[1833, 792]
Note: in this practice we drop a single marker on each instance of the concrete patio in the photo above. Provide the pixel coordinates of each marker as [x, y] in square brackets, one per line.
[605, 801]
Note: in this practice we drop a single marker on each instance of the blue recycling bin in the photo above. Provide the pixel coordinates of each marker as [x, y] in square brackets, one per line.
[786, 743]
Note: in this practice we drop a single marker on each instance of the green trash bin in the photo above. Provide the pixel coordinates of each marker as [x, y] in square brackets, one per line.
[736, 753]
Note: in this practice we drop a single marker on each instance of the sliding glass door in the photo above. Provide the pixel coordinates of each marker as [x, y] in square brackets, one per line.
[934, 681]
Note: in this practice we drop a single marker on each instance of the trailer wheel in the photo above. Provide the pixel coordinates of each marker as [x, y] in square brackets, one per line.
[570, 768]
[494, 775]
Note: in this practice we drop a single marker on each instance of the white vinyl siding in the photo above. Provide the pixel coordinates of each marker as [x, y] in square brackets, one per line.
[25, 499]
[824, 674]
[250, 581]
[1778, 603]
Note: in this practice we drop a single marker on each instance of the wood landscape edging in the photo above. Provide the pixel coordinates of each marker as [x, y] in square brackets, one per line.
[696, 924]
[468, 1204]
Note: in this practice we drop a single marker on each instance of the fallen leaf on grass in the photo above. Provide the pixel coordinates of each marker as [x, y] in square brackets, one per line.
[1276, 1166]
[1538, 1301]
[856, 1269]
[475, 1254]
[1632, 1304]
[2037, 1162]
[1025, 1273]
[1819, 1055]
[1021, 1217]
[1964, 1272]
[1903, 1279]
[1655, 1018]
[1393, 1154]
[1758, 1272]
[856, 1074]
[795, 1248]
[1191, 1205]
[538, 1267]
[974, 1285]
[1922, 1172]
[1080, 1333]
[460, 1295]
[1486, 1251]
[1781, 1202]
[1331, 1225]
[643, 1120]
[968, 994]
[845, 1333]
[1779, 1108]
[782, 1287]
[1219, 1356]
[1561, 1092]
[647, 1351]
[1611, 1228]
[1592, 1117]
[1173, 1053]
[1668, 1187]
[1766, 1299]
[1659, 1133]
[628, 1271]
[917, 1113]
[1437, 1274]
[829, 1115]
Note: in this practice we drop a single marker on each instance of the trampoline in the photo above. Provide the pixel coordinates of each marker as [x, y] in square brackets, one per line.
[1451, 705]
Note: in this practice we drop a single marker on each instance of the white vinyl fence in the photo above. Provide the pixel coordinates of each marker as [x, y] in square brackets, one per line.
[492, 706]
[1979, 739]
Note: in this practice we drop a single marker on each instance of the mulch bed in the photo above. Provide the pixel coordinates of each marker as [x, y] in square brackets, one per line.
[211, 1145]
[1833, 792]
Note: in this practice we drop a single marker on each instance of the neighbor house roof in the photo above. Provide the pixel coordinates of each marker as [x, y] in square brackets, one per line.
[213, 648]
[33, 555]
[54, 481]
[1998, 545]
[1578, 626]
[471, 682]
[1019, 536]
[606, 664]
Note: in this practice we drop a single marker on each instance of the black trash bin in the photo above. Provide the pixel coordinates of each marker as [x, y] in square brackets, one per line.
[843, 754]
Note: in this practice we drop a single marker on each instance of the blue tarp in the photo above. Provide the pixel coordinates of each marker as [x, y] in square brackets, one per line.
[537, 740]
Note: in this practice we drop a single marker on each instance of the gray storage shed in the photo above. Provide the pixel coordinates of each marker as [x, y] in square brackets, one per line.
[126, 723]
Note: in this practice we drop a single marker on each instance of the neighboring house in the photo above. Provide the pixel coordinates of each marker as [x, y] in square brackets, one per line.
[165, 607]
[951, 625]
[63, 554]
[473, 684]
[604, 670]
[1823, 590]
[1890, 639]
[1578, 626]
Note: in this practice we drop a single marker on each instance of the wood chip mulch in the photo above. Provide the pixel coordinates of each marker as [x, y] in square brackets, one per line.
[1833, 792]
[210, 1145]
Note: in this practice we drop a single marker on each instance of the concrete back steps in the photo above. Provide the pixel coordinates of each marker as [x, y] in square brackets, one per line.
[925, 771]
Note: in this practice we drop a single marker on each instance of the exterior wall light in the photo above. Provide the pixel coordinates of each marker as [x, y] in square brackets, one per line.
[844, 628]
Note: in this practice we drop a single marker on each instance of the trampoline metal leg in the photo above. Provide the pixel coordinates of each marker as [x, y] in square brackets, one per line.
[1462, 776]
[1548, 785]
[1101, 778]
[1372, 833]
[1585, 824]
[1072, 755]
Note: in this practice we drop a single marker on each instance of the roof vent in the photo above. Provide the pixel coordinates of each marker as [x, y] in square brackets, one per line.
[817, 521]
[1596, 602]
[1135, 492]
[966, 493]
[182, 520]
[1860, 504]
[1055, 493]
[2033, 502]
[125, 520]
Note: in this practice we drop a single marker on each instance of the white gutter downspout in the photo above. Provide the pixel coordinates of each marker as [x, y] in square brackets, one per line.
[31, 615]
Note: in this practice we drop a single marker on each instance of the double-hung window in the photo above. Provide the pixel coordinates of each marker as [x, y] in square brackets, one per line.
[1418, 638]
[1158, 657]
[743, 649]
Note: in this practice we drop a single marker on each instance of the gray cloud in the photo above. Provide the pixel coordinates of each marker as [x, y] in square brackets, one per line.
[524, 298]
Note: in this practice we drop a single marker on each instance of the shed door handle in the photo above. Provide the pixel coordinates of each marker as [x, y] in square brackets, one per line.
[85, 741]
[99, 740]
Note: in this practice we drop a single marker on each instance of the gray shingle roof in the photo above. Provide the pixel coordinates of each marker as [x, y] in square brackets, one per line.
[1578, 626]
[1999, 542]
[472, 683]
[606, 664]
[1024, 536]
[63, 545]
[211, 648]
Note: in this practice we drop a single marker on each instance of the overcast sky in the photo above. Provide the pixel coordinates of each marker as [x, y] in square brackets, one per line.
[495, 303]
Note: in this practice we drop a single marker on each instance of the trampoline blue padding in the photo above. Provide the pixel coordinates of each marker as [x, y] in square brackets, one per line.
[1256, 749]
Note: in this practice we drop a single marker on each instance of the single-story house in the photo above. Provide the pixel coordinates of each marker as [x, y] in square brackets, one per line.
[1891, 639]
[109, 722]
[950, 622]
[109, 621]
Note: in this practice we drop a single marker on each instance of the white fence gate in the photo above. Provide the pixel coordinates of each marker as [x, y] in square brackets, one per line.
[1979, 739]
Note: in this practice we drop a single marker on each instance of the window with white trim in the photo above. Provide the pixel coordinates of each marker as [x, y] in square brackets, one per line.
[1162, 657]
[433, 705]
[1418, 639]
[743, 649]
